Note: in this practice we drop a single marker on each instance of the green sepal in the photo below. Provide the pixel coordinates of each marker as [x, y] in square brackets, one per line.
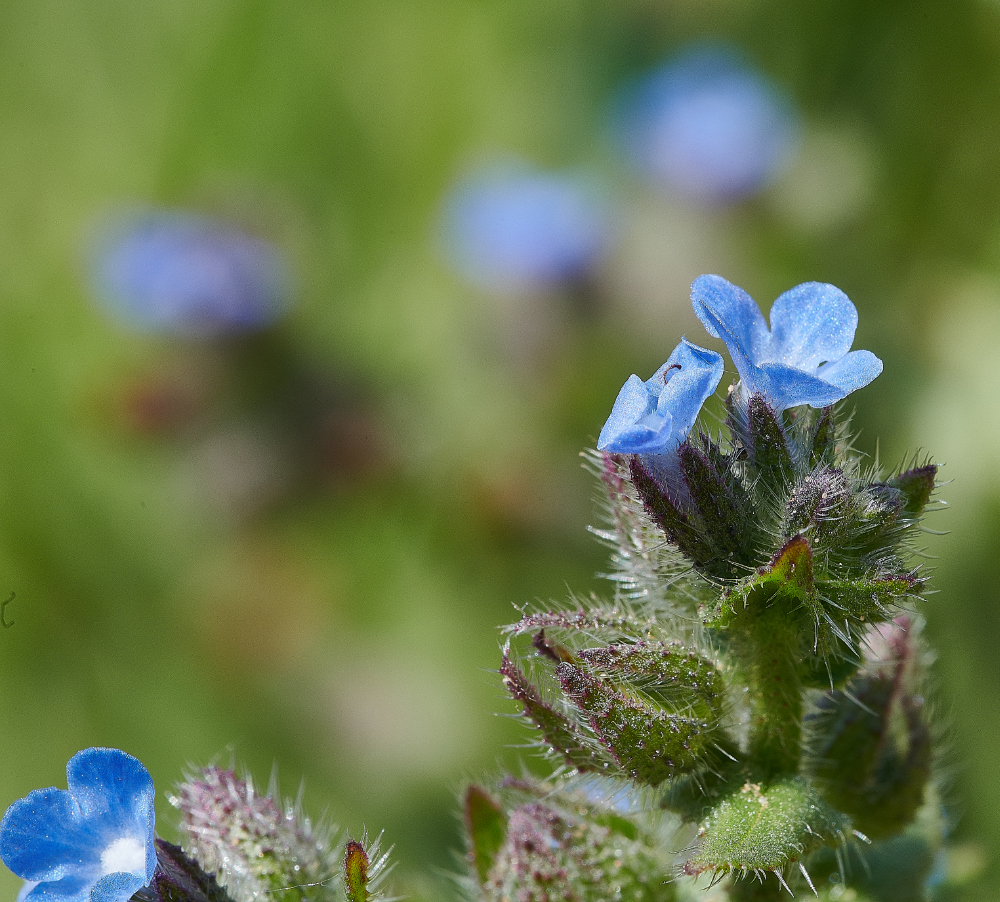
[917, 486]
[720, 511]
[179, 878]
[486, 829]
[673, 675]
[652, 745]
[665, 513]
[824, 439]
[558, 731]
[764, 828]
[768, 450]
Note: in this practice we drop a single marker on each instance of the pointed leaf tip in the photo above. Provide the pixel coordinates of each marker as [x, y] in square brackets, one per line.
[356, 872]
[917, 486]
[793, 565]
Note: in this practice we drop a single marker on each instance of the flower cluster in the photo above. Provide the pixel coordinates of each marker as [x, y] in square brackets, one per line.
[752, 696]
[805, 358]
[757, 674]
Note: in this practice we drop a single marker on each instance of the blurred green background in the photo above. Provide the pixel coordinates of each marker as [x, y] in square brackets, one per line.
[180, 596]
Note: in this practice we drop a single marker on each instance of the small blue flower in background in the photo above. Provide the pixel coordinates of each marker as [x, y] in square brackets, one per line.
[511, 228]
[94, 841]
[707, 126]
[655, 416]
[804, 358]
[188, 274]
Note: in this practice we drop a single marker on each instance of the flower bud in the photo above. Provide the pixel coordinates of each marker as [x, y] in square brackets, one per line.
[565, 847]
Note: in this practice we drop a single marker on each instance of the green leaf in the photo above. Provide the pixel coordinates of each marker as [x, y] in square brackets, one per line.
[557, 730]
[764, 828]
[650, 744]
[873, 744]
[789, 574]
[486, 825]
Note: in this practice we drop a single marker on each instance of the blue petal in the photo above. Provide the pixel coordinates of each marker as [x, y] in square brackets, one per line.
[684, 393]
[633, 404]
[650, 434]
[69, 889]
[729, 313]
[41, 837]
[109, 784]
[116, 792]
[635, 424]
[117, 887]
[852, 372]
[785, 387]
[811, 323]
[654, 416]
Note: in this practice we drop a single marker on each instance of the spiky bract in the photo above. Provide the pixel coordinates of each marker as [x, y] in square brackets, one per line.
[257, 846]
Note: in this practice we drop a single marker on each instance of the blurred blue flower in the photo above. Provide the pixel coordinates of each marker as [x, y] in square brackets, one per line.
[804, 358]
[93, 842]
[514, 228]
[707, 126]
[654, 417]
[188, 274]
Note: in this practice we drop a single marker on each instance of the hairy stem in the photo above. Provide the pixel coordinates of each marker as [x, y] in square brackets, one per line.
[767, 652]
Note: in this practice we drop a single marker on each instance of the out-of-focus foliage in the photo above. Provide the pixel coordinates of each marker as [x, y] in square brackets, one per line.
[300, 542]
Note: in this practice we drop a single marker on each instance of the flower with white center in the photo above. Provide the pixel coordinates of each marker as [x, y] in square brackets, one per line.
[94, 841]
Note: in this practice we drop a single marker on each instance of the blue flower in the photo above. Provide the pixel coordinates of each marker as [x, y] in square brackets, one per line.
[707, 126]
[513, 228]
[188, 274]
[804, 358]
[93, 842]
[654, 417]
